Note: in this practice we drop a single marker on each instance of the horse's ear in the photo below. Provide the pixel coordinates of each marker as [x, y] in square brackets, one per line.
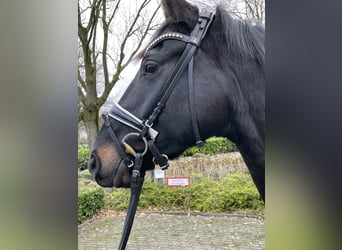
[180, 11]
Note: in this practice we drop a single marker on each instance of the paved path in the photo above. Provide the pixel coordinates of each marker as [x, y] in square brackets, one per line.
[174, 231]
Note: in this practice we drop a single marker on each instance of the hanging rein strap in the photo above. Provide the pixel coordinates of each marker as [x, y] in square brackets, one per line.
[136, 186]
[137, 178]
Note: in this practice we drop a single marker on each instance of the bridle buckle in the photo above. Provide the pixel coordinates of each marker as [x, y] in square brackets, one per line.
[162, 162]
[130, 165]
[148, 125]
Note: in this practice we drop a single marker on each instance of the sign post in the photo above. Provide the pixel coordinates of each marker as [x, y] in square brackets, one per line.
[159, 175]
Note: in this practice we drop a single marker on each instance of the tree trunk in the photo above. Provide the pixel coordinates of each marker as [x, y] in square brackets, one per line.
[92, 126]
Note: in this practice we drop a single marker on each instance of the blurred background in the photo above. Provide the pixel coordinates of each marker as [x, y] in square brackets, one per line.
[40, 54]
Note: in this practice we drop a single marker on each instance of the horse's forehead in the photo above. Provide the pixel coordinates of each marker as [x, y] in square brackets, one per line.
[165, 36]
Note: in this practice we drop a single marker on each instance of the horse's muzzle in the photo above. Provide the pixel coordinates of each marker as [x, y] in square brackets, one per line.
[93, 164]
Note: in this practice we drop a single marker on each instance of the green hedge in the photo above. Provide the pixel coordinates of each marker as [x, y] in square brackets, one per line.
[90, 199]
[234, 192]
[213, 145]
[83, 156]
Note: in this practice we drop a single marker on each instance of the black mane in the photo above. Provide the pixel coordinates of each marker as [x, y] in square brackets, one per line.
[242, 37]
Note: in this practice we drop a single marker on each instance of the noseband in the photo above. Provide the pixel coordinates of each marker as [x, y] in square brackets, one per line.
[143, 128]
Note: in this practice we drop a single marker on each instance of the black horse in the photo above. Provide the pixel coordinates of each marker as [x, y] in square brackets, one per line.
[228, 97]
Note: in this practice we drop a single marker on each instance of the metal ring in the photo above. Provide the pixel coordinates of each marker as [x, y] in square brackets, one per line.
[163, 155]
[137, 135]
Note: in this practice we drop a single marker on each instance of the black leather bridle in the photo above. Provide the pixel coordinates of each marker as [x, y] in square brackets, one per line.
[144, 128]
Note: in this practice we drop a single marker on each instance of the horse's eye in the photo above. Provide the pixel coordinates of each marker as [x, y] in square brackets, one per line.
[151, 68]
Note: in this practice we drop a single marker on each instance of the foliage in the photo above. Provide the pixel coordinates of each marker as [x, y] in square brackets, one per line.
[118, 199]
[233, 192]
[90, 199]
[83, 156]
[213, 145]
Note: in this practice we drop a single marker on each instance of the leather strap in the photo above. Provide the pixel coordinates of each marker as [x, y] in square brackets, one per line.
[125, 117]
[160, 159]
[199, 32]
[171, 81]
[192, 104]
[116, 142]
[136, 186]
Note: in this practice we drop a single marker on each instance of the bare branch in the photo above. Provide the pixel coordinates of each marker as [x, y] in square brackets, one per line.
[81, 96]
[114, 12]
[120, 65]
[129, 33]
[148, 27]
[80, 79]
[105, 28]
[95, 16]
[94, 8]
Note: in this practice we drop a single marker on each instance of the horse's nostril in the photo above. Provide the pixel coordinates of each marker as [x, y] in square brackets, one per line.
[93, 164]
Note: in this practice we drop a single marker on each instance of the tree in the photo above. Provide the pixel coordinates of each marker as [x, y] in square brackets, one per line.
[110, 33]
[253, 10]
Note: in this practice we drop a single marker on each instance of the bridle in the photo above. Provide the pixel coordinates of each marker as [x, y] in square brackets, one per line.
[144, 128]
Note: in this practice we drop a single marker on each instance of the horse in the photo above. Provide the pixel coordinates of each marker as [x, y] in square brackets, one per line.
[176, 101]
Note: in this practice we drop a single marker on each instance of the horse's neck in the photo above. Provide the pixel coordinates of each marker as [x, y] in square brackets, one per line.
[254, 157]
[251, 144]
[247, 129]
[249, 118]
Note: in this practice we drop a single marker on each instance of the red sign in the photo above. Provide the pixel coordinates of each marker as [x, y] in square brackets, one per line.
[178, 181]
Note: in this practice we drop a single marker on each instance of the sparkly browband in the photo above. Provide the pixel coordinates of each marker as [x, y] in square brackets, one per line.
[174, 36]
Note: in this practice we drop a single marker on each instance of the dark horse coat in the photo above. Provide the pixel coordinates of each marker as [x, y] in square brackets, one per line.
[229, 93]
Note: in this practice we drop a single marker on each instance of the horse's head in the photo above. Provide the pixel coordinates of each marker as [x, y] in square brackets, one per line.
[186, 114]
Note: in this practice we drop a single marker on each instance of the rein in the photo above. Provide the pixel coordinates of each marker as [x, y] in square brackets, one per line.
[144, 130]
[136, 186]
